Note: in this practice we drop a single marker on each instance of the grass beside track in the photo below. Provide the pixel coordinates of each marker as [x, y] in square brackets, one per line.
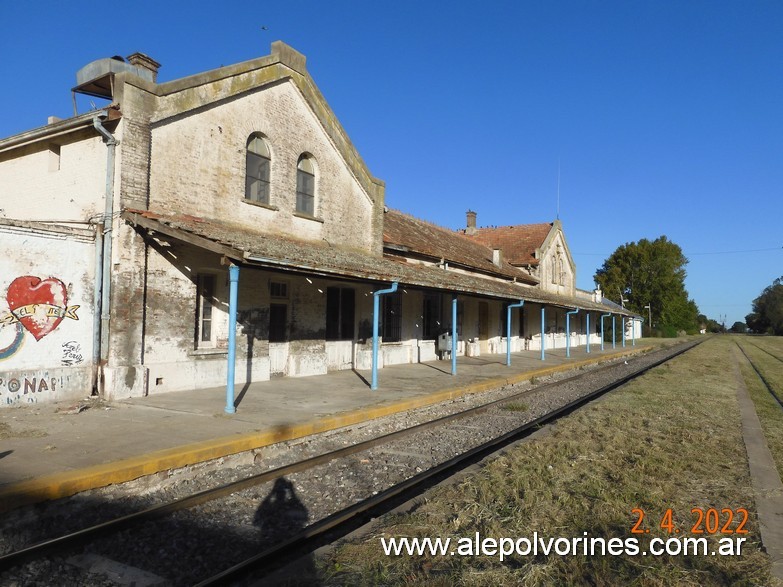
[769, 411]
[671, 439]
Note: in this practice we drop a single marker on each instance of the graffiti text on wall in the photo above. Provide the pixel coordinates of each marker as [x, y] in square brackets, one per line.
[37, 306]
[26, 388]
[72, 353]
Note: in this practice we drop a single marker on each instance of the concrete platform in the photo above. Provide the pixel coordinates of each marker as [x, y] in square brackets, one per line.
[50, 451]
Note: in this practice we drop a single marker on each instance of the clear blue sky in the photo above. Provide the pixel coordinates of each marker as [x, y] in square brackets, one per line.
[666, 117]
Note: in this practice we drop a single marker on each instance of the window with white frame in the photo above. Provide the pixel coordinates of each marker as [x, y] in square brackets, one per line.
[257, 170]
[205, 310]
[305, 186]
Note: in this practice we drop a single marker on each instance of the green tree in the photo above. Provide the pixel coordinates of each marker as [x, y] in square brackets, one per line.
[767, 315]
[651, 272]
[739, 327]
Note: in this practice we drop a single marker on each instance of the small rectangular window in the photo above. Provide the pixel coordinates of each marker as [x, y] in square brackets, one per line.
[392, 317]
[205, 311]
[340, 311]
[431, 316]
[278, 290]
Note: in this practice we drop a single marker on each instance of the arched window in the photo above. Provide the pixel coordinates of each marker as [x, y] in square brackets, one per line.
[305, 186]
[257, 164]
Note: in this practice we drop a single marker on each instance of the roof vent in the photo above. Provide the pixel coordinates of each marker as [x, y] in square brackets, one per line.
[97, 78]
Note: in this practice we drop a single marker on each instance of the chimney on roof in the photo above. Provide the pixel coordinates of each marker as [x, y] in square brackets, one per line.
[143, 61]
[471, 228]
[497, 257]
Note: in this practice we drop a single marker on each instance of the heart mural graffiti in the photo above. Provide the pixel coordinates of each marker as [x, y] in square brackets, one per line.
[38, 304]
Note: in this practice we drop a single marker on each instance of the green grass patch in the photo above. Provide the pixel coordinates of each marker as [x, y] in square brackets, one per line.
[669, 440]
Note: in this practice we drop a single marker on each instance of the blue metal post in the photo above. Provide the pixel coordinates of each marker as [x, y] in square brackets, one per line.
[376, 296]
[622, 321]
[568, 331]
[543, 334]
[233, 279]
[453, 334]
[613, 343]
[508, 330]
[602, 329]
[587, 330]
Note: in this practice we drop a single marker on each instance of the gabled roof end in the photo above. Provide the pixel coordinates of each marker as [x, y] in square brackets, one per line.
[290, 57]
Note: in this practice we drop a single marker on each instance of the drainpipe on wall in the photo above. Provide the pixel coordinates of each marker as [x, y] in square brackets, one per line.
[96, 303]
[543, 336]
[602, 329]
[568, 331]
[376, 296]
[508, 330]
[103, 257]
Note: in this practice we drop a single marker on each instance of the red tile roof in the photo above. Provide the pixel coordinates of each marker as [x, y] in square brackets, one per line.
[518, 243]
[405, 233]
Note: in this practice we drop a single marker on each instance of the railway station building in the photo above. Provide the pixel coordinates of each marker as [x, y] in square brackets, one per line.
[222, 226]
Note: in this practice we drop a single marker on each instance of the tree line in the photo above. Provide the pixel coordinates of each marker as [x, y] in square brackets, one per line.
[767, 314]
[648, 278]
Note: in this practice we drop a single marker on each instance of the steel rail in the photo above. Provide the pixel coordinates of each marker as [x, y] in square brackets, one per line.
[766, 383]
[82, 537]
[764, 350]
[344, 521]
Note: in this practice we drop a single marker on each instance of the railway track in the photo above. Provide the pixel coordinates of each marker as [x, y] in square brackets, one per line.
[764, 380]
[137, 526]
[774, 356]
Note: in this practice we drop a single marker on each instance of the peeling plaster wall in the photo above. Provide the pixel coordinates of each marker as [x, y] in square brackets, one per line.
[32, 180]
[198, 166]
[46, 316]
